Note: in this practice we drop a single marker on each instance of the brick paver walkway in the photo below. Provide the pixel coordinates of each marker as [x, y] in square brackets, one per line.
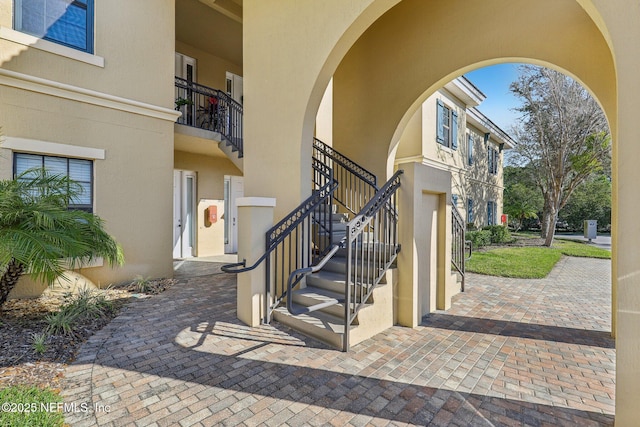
[509, 352]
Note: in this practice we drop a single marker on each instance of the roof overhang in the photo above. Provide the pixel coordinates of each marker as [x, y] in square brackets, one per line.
[465, 91]
[480, 121]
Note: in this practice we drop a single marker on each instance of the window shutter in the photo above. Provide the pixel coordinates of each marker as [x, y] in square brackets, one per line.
[440, 122]
[454, 130]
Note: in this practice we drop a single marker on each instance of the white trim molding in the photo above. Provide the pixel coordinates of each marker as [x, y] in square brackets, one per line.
[47, 46]
[267, 202]
[44, 147]
[74, 93]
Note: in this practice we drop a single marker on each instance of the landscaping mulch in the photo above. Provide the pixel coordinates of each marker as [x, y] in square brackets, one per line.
[20, 364]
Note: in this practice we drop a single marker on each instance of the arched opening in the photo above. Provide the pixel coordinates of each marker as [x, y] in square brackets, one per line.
[404, 53]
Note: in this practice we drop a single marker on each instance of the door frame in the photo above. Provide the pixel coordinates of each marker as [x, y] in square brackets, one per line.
[185, 213]
[233, 190]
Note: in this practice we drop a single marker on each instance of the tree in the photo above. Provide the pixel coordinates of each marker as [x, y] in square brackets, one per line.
[563, 137]
[590, 200]
[41, 236]
[521, 199]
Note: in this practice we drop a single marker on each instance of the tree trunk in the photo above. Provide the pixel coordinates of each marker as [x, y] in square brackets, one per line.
[10, 279]
[549, 216]
[548, 241]
[546, 219]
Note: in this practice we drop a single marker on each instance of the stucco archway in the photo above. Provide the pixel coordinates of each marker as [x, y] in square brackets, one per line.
[595, 41]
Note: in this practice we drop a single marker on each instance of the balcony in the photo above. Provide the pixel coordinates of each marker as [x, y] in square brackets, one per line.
[210, 109]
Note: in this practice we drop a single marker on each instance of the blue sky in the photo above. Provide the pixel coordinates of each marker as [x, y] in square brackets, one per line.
[494, 82]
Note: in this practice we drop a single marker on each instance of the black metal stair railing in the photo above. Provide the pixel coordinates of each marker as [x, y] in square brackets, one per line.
[210, 109]
[372, 247]
[356, 185]
[458, 244]
[294, 242]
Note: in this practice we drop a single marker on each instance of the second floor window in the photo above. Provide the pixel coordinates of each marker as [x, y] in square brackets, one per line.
[447, 126]
[66, 22]
[493, 158]
[470, 149]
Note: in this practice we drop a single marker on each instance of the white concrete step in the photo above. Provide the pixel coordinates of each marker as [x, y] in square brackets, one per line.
[313, 296]
[322, 326]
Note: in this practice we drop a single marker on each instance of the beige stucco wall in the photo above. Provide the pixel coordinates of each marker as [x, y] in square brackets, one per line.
[375, 98]
[133, 181]
[291, 69]
[410, 53]
[120, 108]
[210, 178]
[211, 70]
[132, 37]
[418, 143]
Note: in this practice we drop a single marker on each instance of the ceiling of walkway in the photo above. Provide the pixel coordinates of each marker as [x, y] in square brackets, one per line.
[213, 30]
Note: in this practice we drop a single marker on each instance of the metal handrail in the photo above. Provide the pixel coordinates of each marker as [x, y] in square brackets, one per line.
[357, 184]
[296, 276]
[283, 228]
[372, 247]
[458, 243]
[210, 109]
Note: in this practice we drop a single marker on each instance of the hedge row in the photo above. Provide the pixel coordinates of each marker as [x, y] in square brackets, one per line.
[490, 234]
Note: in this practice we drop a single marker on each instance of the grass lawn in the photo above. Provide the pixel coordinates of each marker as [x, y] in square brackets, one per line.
[29, 406]
[529, 262]
[570, 248]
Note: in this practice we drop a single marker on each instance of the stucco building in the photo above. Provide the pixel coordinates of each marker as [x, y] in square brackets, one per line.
[104, 102]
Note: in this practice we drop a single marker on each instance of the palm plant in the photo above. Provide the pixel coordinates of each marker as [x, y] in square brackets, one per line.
[41, 236]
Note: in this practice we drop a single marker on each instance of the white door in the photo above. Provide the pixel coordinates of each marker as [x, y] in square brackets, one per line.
[185, 68]
[234, 86]
[233, 189]
[184, 213]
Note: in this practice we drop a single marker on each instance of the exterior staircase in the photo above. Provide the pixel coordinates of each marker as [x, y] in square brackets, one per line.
[330, 263]
[325, 290]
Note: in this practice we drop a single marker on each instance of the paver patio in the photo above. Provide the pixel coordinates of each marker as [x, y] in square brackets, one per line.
[509, 352]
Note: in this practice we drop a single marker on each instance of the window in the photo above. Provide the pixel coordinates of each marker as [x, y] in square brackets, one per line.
[493, 157]
[470, 211]
[454, 200]
[67, 22]
[492, 212]
[447, 126]
[78, 170]
[470, 149]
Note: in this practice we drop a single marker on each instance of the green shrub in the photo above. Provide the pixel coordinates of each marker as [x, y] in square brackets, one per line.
[142, 284]
[499, 233]
[86, 303]
[479, 238]
[39, 342]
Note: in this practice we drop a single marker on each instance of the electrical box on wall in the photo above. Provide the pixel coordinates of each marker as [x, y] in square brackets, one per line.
[212, 214]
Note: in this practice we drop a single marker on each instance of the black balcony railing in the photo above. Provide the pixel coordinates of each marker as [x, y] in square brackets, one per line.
[210, 109]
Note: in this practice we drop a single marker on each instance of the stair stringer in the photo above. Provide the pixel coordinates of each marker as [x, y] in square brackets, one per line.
[232, 155]
[379, 316]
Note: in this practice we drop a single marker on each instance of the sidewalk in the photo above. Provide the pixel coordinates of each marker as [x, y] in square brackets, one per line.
[509, 352]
